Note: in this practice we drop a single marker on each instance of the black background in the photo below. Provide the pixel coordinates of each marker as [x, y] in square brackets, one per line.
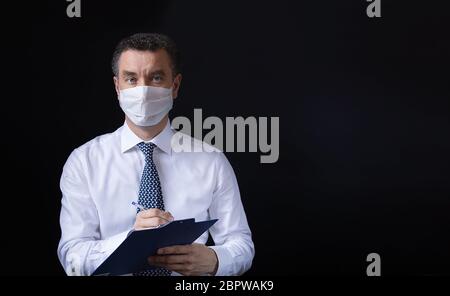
[364, 122]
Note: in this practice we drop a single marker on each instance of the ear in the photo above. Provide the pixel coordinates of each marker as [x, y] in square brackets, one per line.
[116, 85]
[176, 85]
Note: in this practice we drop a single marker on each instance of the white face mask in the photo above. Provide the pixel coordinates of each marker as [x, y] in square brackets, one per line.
[146, 105]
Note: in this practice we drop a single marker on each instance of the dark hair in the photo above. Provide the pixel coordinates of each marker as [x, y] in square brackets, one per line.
[150, 42]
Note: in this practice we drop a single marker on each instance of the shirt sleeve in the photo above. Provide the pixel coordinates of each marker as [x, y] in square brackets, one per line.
[232, 236]
[81, 249]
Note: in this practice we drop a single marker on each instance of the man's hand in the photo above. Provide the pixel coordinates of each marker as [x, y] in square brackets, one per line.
[151, 218]
[190, 260]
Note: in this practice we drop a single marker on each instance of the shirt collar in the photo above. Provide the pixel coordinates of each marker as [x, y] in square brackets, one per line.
[162, 140]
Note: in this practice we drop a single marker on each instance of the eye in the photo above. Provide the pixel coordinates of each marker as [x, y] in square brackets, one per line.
[157, 78]
[130, 80]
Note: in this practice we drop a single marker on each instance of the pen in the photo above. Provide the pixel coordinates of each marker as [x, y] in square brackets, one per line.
[140, 207]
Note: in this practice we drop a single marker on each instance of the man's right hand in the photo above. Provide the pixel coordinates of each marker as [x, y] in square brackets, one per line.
[151, 218]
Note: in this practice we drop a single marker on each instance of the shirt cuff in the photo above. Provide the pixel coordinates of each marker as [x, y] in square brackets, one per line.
[112, 243]
[224, 260]
[105, 248]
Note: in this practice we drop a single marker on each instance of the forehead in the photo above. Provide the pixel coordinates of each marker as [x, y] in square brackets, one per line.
[138, 61]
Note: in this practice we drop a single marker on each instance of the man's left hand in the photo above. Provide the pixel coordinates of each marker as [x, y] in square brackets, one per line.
[190, 260]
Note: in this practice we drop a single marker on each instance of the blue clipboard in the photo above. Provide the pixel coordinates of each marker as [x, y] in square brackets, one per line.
[131, 256]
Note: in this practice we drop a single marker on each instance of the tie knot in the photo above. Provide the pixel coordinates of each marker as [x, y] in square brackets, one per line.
[147, 149]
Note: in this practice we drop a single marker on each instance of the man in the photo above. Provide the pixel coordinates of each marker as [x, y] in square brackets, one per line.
[102, 178]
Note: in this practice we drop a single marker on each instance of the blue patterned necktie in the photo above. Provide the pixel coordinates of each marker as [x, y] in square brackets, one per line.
[150, 195]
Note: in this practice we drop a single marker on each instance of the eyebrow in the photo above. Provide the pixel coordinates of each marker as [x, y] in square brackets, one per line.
[156, 72]
[128, 73]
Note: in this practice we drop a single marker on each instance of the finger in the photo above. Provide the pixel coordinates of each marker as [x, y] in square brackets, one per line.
[150, 213]
[178, 267]
[155, 213]
[169, 259]
[184, 269]
[150, 222]
[181, 249]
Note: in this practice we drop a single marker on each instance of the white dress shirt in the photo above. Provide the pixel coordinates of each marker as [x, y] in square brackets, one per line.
[101, 178]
